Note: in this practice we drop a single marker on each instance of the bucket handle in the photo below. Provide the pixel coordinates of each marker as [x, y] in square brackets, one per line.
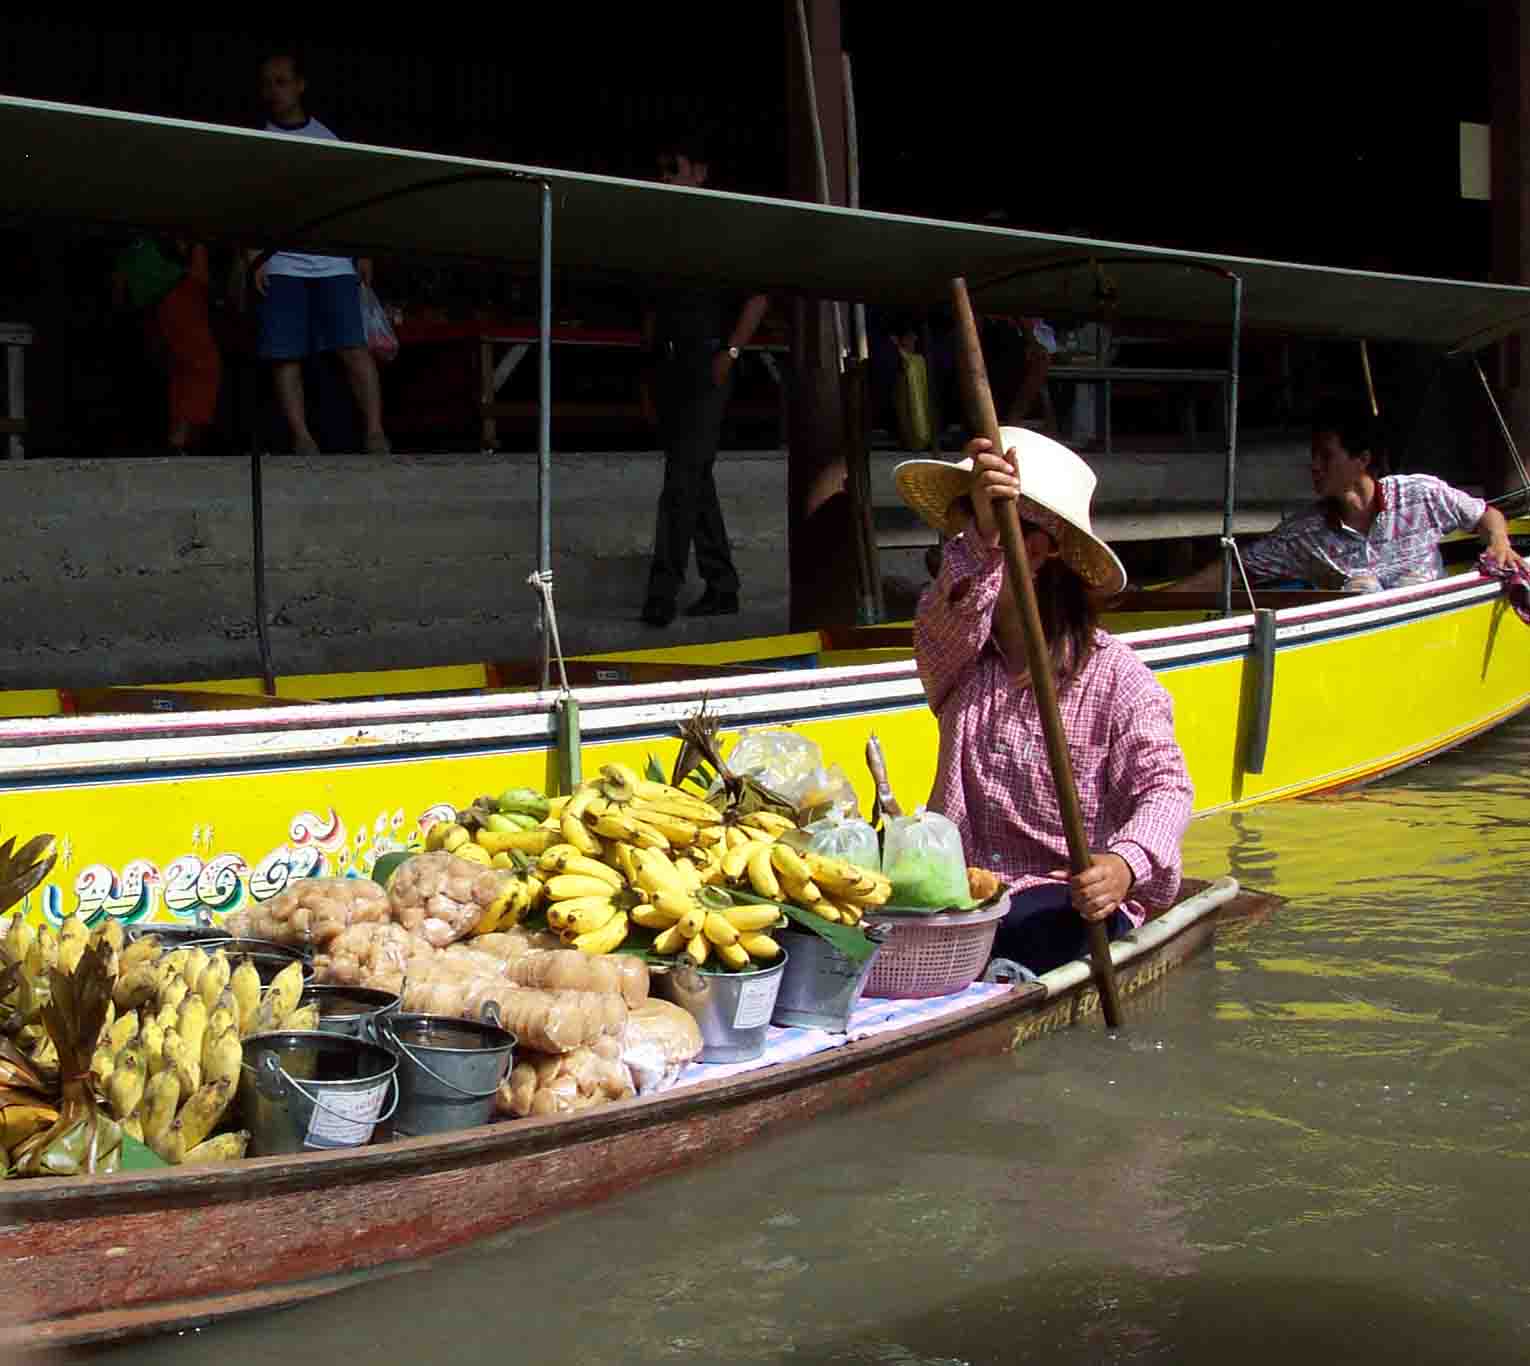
[435, 1076]
[287, 1079]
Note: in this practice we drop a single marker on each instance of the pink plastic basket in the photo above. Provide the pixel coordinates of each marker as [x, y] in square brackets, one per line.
[933, 955]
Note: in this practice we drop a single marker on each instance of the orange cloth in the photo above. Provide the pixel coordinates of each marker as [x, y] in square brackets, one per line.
[180, 322]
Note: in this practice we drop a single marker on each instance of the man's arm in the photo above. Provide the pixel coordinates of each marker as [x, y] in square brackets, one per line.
[743, 333]
[1495, 531]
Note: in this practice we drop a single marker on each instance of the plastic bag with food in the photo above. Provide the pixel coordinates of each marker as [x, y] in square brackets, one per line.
[560, 1084]
[623, 974]
[923, 859]
[791, 766]
[661, 1039]
[369, 955]
[850, 839]
[312, 911]
[442, 897]
[545, 1021]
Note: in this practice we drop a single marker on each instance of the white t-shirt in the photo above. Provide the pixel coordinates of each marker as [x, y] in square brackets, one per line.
[303, 263]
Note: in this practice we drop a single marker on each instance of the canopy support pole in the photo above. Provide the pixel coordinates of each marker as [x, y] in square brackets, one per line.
[1503, 425]
[1230, 484]
[544, 414]
[258, 564]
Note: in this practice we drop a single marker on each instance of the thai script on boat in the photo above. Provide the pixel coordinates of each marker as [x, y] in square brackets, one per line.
[202, 880]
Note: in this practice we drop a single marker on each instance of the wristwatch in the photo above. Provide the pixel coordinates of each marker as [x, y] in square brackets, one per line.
[733, 353]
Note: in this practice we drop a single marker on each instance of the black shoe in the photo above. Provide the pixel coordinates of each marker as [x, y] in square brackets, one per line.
[713, 603]
[658, 611]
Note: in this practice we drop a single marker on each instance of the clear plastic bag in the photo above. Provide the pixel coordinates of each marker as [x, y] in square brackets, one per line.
[852, 840]
[382, 340]
[924, 861]
[791, 766]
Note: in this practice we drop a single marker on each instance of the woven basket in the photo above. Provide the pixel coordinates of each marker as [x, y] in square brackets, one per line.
[933, 955]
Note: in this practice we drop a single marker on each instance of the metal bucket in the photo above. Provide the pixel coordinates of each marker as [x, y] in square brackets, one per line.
[306, 1090]
[448, 1071]
[820, 987]
[354, 1011]
[199, 930]
[254, 948]
[732, 1009]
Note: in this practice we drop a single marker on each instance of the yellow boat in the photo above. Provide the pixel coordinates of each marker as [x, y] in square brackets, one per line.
[173, 802]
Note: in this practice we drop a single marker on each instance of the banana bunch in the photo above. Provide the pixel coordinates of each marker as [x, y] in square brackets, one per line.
[587, 900]
[834, 888]
[169, 1063]
[621, 806]
[695, 919]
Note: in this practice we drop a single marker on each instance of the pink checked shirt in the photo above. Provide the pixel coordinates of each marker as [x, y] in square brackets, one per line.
[993, 779]
[1413, 511]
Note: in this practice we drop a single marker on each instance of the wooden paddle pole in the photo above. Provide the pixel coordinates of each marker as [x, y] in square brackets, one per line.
[1007, 515]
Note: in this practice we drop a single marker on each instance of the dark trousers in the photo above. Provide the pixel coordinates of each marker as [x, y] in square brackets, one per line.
[690, 425]
[1042, 931]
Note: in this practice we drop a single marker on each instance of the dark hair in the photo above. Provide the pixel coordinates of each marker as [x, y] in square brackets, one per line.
[1069, 616]
[286, 54]
[1357, 430]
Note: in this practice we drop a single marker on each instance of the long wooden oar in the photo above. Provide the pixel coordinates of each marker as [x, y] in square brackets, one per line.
[1007, 514]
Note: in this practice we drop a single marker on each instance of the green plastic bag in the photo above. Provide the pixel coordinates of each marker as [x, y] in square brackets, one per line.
[148, 273]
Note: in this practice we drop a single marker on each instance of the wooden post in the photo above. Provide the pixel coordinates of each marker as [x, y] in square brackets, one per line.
[822, 536]
[1509, 76]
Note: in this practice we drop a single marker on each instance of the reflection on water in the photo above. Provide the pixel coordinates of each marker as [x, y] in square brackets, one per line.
[1313, 1140]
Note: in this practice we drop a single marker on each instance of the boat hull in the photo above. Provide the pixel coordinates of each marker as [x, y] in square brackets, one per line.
[167, 816]
[131, 1254]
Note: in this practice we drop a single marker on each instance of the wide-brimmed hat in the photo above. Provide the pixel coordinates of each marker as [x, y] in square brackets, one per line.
[1055, 489]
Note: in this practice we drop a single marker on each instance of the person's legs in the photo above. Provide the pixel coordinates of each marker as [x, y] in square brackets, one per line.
[338, 326]
[284, 341]
[714, 557]
[681, 399]
[1042, 931]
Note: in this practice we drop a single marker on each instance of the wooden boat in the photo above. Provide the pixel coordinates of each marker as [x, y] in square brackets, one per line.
[111, 1257]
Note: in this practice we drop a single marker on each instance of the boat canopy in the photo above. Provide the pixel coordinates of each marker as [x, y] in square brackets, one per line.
[67, 162]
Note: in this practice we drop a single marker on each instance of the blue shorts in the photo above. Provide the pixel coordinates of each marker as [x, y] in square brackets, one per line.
[304, 315]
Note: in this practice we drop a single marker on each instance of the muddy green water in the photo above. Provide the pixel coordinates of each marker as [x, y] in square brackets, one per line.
[1311, 1145]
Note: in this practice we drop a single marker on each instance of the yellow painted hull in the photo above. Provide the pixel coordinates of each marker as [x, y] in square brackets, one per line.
[162, 816]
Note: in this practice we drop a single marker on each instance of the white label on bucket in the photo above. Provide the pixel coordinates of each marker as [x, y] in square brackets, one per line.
[756, 1000]
[345, 1120]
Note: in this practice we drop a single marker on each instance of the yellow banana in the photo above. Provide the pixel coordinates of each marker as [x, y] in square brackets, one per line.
[474, 853]
[719, 930]
[194, 966]
[761, 947]
[530, 842]
[828, 912]
[735, 863]
[187, 1069]
[112, 935]
[214, 979]
[223, 1148]
[734, 837]
[688, 874]
[123, 1031]
[624, 778]
[679, 831]
[697, 948]
[806, 894]
[614, 825]
[748, 919]
[580, 802]
[646, 836]
[573, 830]
[762, 876]
[125, 1089]
[136, 987]
[624, 856]
[192, 1024]
[837, 877]
[650, 917]
[19, 939]
[222, 1056]
[73, 928]
[160, 1098]
[103, 1062]
[675, 904]
[140, 951]
[173, 993]
[286, 988]
[498, 861]
[605, 939]
[692, 922]
[586, 915]
[734, 955]
[132, 1126]
[790, 864]
[568, 886]
[848, 912]
[580, 865]
[304, 1018]
[202, 1111]
[671, 941]
[771, 822]
[245, 984]
[652, 792]
[657, 873]
[151, 1043]
[70, 952]
[19, 1122]
[709, 836]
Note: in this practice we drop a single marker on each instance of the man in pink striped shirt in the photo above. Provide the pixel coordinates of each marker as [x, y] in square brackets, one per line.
[993, 779]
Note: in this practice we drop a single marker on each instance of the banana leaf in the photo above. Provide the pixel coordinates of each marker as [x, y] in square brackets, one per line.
[850, 940]
[387, 865]
[139, 1157]
[739, 795]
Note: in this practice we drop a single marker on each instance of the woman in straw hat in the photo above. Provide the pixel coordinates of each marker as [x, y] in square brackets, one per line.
[993, 779]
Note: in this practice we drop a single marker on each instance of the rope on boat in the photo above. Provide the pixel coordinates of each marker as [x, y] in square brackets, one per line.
[542, 582]
[1229, 544]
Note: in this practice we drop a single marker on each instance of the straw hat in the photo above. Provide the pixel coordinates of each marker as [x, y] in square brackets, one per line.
[1056, 487]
